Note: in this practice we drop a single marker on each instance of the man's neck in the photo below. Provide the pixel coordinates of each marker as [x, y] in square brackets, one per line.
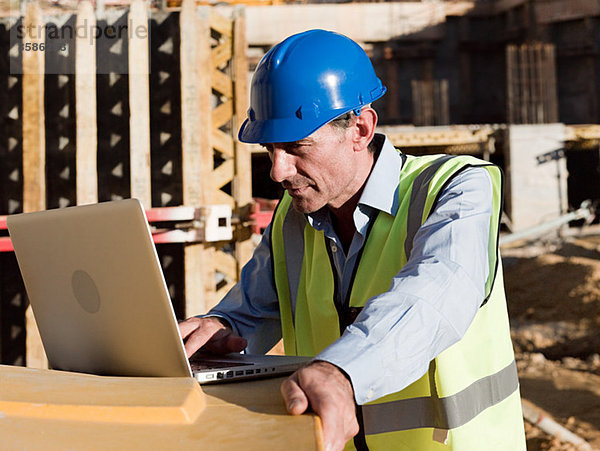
[343, 220]
[343, 216]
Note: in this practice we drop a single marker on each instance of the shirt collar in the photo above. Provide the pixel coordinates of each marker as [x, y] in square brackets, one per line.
[381, 189]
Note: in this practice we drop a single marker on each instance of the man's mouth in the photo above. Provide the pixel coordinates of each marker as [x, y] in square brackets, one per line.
[296, 191]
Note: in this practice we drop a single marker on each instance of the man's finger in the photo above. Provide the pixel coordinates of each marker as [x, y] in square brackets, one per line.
[188, 326]
[196, 340]
[294, 397]
[225, 341]
[331, 397]
[199, 331]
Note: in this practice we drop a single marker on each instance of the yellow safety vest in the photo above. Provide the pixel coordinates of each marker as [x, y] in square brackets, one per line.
[469, 398]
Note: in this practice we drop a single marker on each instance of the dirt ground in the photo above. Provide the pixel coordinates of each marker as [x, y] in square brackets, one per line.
[553, 292]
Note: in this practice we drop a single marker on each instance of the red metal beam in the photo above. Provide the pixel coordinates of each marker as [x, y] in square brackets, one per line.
[5, 244]
[262, 213]
[162, 214]
[261, 217]
[165, 214]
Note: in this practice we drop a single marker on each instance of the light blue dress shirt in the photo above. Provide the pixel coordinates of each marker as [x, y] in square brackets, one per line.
[430, 303]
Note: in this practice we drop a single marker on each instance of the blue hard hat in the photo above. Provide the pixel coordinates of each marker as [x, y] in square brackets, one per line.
[304, 82]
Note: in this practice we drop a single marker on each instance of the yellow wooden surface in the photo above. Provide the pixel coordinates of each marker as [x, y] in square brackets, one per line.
[45, 409]
[75, 397]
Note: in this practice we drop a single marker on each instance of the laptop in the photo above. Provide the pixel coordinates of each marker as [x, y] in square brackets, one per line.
[101, 303]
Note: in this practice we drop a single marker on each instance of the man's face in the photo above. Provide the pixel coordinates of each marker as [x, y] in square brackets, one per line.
[317, 170]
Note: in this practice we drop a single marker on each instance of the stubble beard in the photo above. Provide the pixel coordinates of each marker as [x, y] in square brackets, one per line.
[303, 204]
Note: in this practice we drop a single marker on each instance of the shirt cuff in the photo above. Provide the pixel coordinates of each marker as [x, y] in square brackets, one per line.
[368, 368]
[343, 354]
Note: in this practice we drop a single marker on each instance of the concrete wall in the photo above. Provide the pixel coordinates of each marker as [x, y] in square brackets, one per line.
[364, 22]
[536, 174]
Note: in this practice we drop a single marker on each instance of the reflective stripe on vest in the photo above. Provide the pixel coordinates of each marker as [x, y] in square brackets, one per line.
[443, 413]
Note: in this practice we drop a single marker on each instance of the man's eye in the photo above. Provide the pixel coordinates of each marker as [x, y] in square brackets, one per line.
[295, 148]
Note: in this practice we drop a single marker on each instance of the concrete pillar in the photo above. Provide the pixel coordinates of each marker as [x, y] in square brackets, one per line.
[536, 178]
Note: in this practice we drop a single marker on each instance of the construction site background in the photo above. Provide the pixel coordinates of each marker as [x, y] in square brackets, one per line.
[516, 82]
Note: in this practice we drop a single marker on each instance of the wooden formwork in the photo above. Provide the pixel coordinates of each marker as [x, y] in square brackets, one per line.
[162, 129]
[532, 96]
[430, 102]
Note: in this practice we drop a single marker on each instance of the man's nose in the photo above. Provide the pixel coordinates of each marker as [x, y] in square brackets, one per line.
[282, 165]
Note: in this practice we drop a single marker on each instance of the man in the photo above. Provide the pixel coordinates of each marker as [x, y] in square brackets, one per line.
[381, 265]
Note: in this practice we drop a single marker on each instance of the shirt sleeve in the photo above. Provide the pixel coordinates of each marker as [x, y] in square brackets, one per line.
[432, 300]
[251, 306]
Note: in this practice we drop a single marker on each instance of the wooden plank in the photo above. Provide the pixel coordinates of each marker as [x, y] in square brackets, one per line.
[441, 137]
[222, 291]
[222, 114]
[195, 102]
[195, 140]
[509, 84]
[391, 80]
[220, 197]
[242, 183]
[222, 175]
[533, 50]
[34, 152]
[44, 410]
[222, 83]
[565, 10]
[221, 54]
[428, 101]
[539, 63]
[516, 86]
[501, 6]
[416, 103]
[444, 103]
[207, 286]
[220, 23]
[34, 157]
[139, 103]
[523, 85]
[223, 142]
[530, 86]
[85, 107]
[544, 79]
[550, 84]
[226, 264]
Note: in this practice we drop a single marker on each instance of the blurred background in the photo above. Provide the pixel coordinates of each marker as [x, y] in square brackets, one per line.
[105, 100]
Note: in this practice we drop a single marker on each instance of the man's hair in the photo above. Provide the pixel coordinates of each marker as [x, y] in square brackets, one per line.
[347, 120]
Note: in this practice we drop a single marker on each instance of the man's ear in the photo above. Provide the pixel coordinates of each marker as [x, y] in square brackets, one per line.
[364, 129]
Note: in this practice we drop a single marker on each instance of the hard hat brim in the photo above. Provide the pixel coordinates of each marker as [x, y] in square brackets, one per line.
[276, 130]
[289, 129]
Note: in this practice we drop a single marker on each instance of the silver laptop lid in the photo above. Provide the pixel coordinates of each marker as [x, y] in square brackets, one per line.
[97, 290]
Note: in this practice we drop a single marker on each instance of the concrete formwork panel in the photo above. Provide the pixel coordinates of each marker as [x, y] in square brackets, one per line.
[536, 188]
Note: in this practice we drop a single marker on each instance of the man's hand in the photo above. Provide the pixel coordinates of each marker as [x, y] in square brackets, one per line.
[325, 388]
[210, 333]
